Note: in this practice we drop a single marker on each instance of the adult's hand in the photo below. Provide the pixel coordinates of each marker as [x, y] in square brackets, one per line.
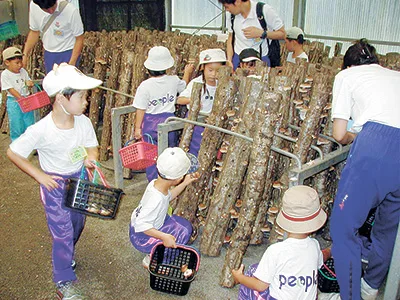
[252, 32]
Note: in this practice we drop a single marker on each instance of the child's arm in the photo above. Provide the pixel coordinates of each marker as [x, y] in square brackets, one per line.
[138, 123]
[183, 100]
[37, 174]
[167, 239]
[189, 178]
[92, 154]
[189, 68]
[14, 93]
[251, 282]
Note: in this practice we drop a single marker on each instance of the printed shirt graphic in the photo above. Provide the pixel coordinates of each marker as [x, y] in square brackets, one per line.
[17, 81]
[158, 94]
[291, 268]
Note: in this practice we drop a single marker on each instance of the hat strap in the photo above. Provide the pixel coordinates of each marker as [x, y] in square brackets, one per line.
[301, 219]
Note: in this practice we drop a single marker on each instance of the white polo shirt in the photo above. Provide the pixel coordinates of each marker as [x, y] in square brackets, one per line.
[61, 34]
[274, 22]
[367, 93]
[17, 81]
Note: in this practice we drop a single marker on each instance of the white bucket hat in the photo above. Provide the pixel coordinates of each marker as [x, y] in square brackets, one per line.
[173, 163]
[211, 56]
[301, 211]
[159, 59]
[65, 76]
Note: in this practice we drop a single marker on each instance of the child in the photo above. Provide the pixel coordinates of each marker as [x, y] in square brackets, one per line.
[64, 130]
[288, 270]
[15, 80]
[248, 58]
[294, 43]
[155, 98]
[210, 61]
[150, 222]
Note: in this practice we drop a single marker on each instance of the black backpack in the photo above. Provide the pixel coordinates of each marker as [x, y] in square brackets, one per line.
[274, 48]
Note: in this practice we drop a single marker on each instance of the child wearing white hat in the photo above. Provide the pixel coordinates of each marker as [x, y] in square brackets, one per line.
[209, 63]
[56, 138]
[155, 98]
[288, 270]
[294, 41]
[150, 221]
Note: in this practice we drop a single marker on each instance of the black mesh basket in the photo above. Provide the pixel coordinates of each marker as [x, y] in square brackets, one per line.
[327, 282]
[166, 268]
[92, 199]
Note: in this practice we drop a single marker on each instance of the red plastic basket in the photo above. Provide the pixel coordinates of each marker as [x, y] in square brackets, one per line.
[139, 155]
[34, 101]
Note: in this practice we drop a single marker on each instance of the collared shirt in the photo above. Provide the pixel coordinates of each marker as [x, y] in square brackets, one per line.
[61, 34]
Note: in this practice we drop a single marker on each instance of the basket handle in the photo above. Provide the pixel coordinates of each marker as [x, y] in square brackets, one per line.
[97, 171]
[134, 140]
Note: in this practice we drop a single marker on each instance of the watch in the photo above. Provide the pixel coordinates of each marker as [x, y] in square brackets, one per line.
[264, 35]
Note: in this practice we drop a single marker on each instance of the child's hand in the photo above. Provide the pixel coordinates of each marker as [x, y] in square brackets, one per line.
[189, 178]
[237, 273]
[189, 68]
[169, 241]
[88, 163]
[48, 181]
[137, 134]
[29, 83]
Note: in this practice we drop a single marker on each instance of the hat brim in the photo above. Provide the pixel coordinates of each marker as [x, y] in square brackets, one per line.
[212, 61]
[303, 226]
[87, 83]
[251, 58]
[150, 65]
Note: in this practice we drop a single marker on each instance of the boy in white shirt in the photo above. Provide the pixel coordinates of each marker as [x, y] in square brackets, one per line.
[16, 81]
[289, 269]
[294, 43]
[150, 222]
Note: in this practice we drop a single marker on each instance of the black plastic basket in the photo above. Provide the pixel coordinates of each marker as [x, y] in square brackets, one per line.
[92, 199]
[327, 282]
[166, 268]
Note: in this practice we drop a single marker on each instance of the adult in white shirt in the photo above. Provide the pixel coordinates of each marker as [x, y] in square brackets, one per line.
[248, 30]
[369, 95]
[63, 40]
[294, 43]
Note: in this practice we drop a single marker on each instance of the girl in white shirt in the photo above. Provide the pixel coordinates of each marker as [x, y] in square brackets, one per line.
[210, 61]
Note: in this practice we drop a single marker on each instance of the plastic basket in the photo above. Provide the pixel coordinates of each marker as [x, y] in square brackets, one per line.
[327, 282]
[8, 30]
[34, 101]
[165, 268]
[139, 155]
[92, 199]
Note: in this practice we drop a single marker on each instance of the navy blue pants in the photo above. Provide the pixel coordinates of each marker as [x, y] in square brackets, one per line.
[236, 60]
[370, 179]
[51, 58]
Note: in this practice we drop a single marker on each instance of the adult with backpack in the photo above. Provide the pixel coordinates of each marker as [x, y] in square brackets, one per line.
[253, 25]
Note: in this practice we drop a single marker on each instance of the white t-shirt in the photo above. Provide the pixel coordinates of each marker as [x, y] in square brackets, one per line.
[152, 209]
[367, 93]
[291, 269]
[293, 60]
[17, 81]
[274, 22]
[54, 145]
[207, 97]
[62, 32]
[158, 94]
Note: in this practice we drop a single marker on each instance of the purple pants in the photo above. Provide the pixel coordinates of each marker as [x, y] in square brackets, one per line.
[246, 293]
[65, 227]
[149, 126]
[195, 143]
[51, 58]
[177, 226]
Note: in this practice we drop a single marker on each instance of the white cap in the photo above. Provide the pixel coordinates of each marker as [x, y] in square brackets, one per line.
[293, 33]
[159, 59]
[174, 163]
[211, 56]
[65, 76]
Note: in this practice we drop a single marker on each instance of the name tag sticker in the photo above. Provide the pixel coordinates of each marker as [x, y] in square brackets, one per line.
[77, 154]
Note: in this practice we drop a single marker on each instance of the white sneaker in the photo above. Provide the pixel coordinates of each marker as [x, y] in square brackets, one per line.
[146, 261]
[367, 292]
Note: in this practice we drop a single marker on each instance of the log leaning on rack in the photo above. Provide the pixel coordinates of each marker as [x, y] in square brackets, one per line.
[195, 105]
[266, 115]
[231, 177]
[194, 193]
[3, 109]
[112, 83]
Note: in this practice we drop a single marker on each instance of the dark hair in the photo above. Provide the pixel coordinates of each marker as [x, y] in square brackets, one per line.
[156, 73]
[229, 1]
[300, 39]
[14, 58]
[361, 53]
[45, 4]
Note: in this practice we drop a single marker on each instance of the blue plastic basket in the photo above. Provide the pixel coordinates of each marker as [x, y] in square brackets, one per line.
[8, 30]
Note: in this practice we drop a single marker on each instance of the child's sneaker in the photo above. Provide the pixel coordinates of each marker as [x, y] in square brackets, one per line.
[367, 292]
[73, 264]
[146, 261]
[66, 291]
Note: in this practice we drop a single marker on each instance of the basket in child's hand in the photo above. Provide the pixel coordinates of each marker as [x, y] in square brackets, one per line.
[327, 282]
[90, 198]
[139, 155]
[173, 269]
[34, 101]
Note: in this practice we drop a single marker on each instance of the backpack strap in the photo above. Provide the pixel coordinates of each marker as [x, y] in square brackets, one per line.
[261, 19]
[233, 31]
[61, 7]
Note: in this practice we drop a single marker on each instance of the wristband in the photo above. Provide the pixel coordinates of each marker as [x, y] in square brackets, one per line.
[264, 35]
